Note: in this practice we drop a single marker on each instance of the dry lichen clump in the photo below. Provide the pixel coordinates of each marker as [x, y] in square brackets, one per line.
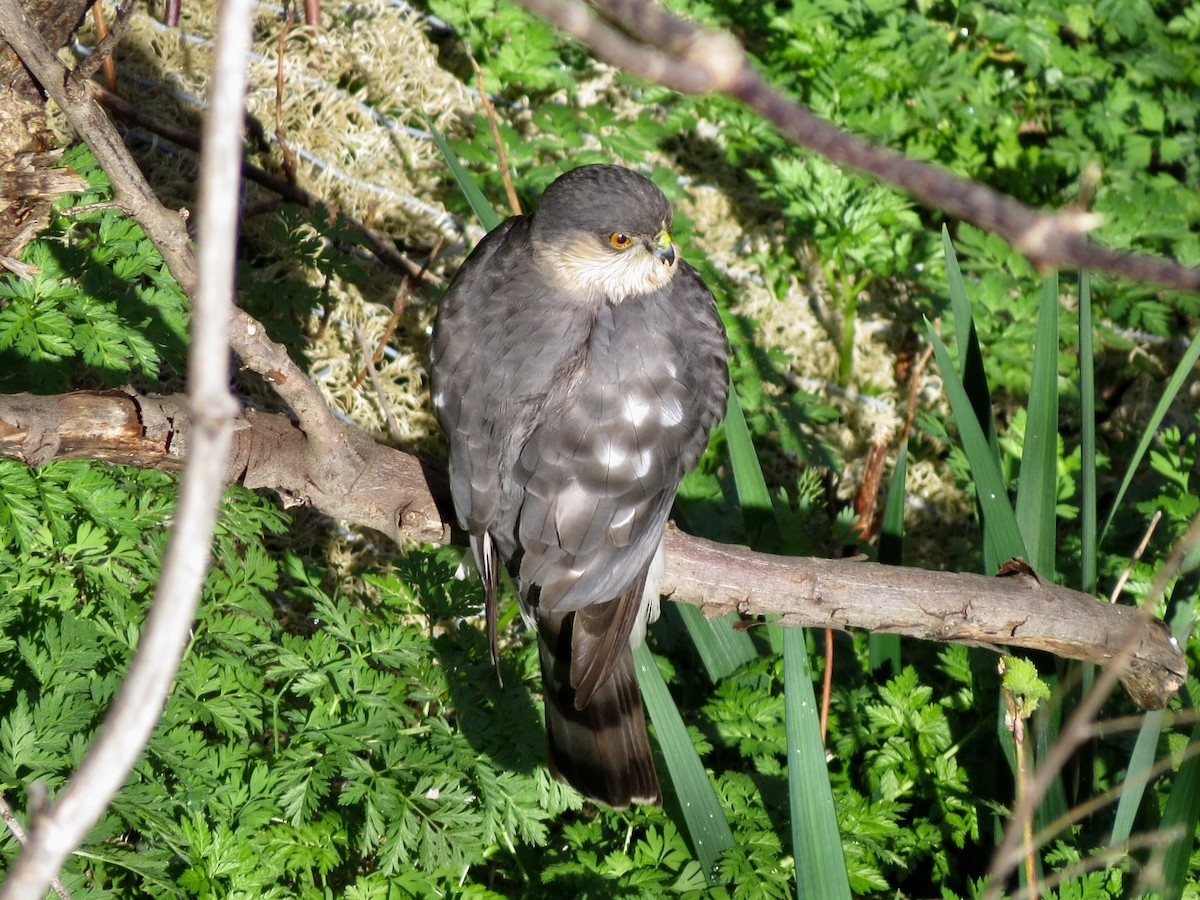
[355, 99]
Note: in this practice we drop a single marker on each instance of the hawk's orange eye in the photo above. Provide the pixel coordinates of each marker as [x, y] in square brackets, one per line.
[620, 240]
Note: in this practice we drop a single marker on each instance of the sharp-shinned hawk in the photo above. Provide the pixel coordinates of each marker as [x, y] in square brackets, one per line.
[578, 366]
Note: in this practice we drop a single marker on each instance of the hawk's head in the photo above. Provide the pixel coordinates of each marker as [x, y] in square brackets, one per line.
[604, 230]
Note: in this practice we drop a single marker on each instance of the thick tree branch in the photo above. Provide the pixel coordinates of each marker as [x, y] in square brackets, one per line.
[406, 500]
[659, 46]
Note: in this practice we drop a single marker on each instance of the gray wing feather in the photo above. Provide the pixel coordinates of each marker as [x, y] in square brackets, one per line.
[600, 469]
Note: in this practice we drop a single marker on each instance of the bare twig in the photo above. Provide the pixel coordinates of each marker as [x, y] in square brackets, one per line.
[514, 204]
[14, 825]
[398, 305]
[136, 710]
[289, 158]
[1137, 554]
[1077, 728]
[312, 13]
[390, 329]
[369, 363]
[105, 47]
[913, 389]
[827, 684]
[109, 40]
[661, 47]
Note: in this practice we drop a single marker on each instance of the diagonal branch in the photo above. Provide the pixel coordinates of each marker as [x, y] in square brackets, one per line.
[56, 830]
[407, 500]
[659, 46]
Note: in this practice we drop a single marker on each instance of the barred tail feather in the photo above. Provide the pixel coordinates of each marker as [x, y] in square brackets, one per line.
[601, 750]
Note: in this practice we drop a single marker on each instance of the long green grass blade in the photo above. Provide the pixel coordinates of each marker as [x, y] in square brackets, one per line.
[488, 217]
[970, 355]
[1037, 493]
[1087, 445]
[753, 496]
[1002, 537]
[1088, 517]
[722, 647]
[960, 304]
[885, 648]
[702, 813]
[1134, 786]
[816, 841]
[1037, 500]
[1186, 367]
[971, 402]
[1182, 813]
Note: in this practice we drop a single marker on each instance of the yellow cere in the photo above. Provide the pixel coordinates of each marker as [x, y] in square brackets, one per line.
[664, 239]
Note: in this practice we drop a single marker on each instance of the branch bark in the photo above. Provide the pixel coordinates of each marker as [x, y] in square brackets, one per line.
[648, 41]
[408, 500]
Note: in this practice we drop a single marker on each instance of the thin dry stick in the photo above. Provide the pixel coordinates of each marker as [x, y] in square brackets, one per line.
[1154, 840]
[913, 388]
[289, 158]
[109, 39]
[402, 294]
[502, 157]
[376, 356]
[827, 683]
[1107, 728]
[1137, 554]
[661, 47]
[134, 713]
[392, 424]
[14, 825]
[110, 68]
[1016, 725]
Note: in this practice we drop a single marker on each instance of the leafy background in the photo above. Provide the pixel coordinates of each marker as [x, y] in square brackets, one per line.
[335, 729]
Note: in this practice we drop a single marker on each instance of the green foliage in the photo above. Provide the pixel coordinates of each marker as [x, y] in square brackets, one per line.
[285, 758]
[1022, 681]
[100, 301]
[517, 51]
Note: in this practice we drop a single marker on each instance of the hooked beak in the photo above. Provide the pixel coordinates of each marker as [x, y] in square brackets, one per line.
[664, 248]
